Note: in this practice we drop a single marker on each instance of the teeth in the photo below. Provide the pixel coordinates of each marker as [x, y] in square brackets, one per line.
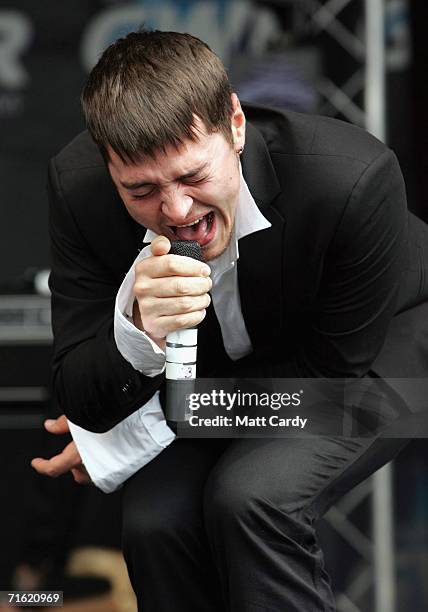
[193, 223]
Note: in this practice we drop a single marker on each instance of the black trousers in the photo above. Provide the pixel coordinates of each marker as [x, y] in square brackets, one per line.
[213, 525]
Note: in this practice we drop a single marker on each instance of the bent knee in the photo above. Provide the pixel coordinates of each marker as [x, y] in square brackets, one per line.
[230, 506]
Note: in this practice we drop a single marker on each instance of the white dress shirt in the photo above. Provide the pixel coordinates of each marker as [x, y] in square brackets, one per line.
[112, 457]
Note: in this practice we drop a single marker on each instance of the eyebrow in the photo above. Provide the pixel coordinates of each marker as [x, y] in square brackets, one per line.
[183, 177]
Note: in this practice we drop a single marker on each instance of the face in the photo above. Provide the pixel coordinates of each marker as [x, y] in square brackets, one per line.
[189, 193]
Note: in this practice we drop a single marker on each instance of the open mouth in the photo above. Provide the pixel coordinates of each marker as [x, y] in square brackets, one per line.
[202, 230]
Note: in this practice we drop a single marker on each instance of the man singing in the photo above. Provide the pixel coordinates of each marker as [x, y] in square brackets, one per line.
[309, 255]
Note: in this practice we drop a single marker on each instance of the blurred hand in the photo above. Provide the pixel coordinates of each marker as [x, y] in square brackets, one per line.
[68, 460]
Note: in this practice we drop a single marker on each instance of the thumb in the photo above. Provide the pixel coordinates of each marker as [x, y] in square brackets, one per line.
[160, 245]
[57, 426]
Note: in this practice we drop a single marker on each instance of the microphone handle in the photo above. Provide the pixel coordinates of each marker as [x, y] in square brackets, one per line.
[181, 349]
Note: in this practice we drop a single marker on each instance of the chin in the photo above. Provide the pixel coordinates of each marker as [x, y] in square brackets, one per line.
[211, 251]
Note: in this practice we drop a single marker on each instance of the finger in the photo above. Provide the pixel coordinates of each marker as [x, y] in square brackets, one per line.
[54, 467]
[46, 467]
[160, 246]
[173, 306]
[57, 426]
[81, 476]
[176, 286]
[170, 265]
[167, 324]
[59, 464]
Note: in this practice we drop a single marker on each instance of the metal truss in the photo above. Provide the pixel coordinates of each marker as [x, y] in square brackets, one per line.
[360, 97]
[324, 17]
[374, 571]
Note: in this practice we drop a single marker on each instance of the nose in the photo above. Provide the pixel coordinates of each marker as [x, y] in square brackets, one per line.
[176, 205]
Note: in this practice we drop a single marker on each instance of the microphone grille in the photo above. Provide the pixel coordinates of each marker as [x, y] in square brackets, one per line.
[189, 248]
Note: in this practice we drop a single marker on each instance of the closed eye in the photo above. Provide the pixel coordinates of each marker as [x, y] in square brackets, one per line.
[189, 180]
[194, 180]
[141, 196]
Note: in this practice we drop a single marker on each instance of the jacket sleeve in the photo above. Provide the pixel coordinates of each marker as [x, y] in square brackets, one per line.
[343, 329]
[93, 384]
[362, 276]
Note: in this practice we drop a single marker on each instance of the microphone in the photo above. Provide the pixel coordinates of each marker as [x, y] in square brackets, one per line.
[181, 348]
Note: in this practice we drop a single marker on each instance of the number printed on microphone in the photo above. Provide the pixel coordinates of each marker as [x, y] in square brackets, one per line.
[32, 598]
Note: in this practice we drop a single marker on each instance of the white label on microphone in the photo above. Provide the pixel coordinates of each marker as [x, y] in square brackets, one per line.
[184, 354]
[187, 337]
[180, 371]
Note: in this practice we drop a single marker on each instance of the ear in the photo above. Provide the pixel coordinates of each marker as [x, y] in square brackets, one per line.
[237, 123]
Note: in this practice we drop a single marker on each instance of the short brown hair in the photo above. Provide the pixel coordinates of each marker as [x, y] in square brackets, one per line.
[146, 88]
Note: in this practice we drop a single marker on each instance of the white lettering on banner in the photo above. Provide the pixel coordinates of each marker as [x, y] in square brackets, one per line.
[105, 27]
[15, 36]
[201, 19]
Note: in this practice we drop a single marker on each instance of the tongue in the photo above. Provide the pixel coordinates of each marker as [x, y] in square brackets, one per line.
[193, 232]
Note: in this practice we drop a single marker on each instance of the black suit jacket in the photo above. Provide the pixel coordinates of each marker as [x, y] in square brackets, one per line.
[319, 289]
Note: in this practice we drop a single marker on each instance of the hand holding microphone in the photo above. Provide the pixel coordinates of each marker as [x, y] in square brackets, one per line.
[171, 291]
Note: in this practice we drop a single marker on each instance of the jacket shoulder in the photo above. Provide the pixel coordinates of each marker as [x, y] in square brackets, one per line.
[291, 133]
[78, 173]
[81, 189]
[78, 154]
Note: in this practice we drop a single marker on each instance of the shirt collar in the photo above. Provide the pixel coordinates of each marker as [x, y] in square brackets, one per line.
[248, 219]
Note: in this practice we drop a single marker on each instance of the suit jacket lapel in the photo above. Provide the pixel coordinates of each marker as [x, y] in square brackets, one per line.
[260, 264]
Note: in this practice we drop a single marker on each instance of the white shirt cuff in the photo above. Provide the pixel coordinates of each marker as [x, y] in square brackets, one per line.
[112, 457]
[135, 345]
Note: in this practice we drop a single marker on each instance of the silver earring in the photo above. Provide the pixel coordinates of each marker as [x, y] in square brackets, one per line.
[240, 150]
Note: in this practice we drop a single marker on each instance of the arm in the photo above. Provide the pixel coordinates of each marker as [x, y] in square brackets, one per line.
[112, 457]
[343, 328]
[108, 459]
[94, 384]
[362, 275]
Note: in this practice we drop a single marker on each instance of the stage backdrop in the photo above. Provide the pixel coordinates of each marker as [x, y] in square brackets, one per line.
[46, 51]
